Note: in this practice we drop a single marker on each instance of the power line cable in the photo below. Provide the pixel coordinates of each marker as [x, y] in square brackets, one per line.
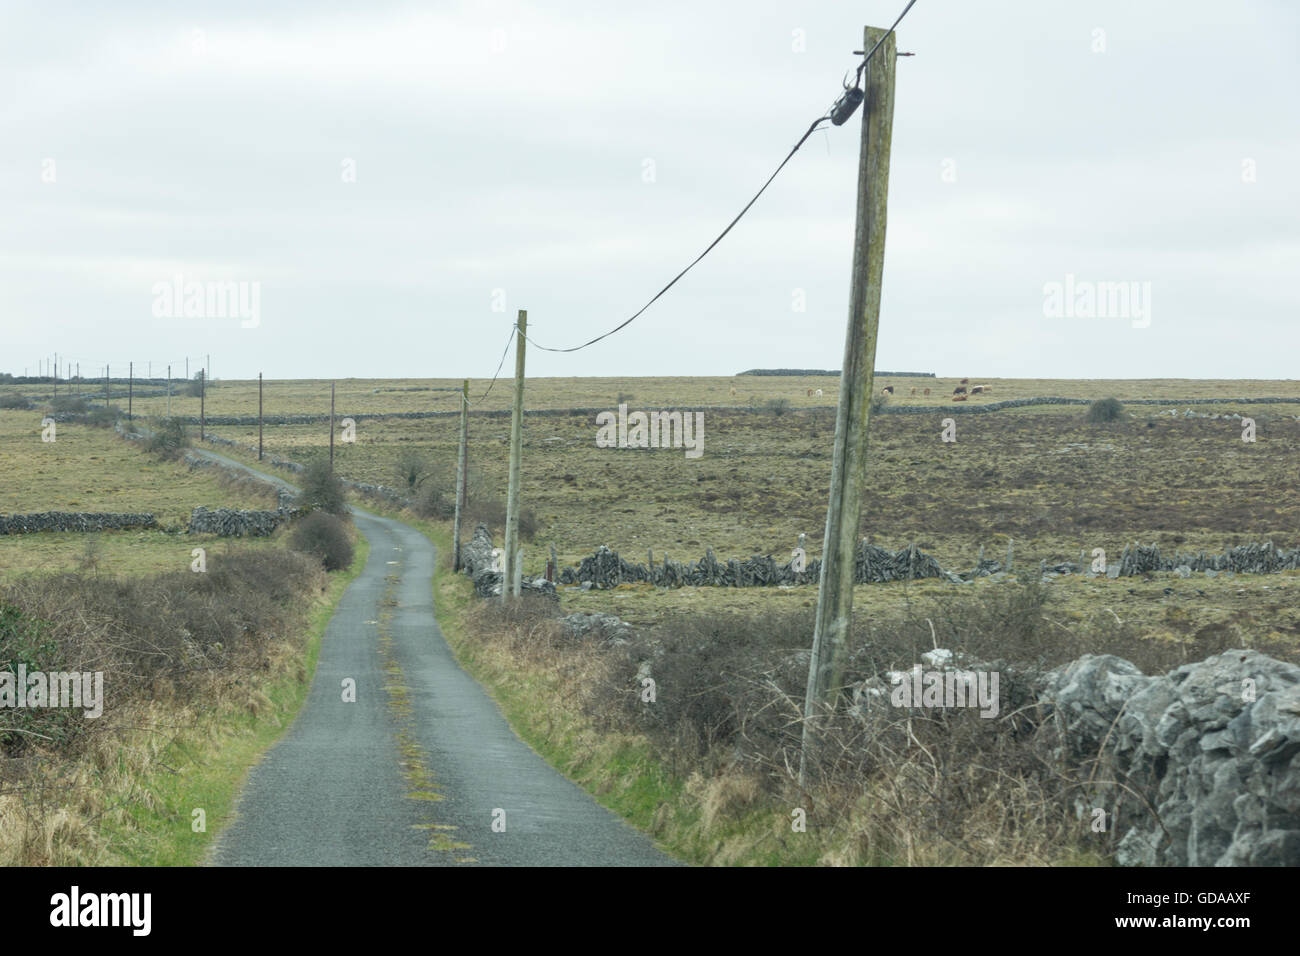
[499, 366]
[838, 118]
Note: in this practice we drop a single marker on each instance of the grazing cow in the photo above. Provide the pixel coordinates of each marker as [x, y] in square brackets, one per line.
[987, 389]
[733, 393]
[976, 389]
[887, 390]
[927, 391]
[914, 390]
[810, 393]
[818, 393]
[965, 381]
[959, 390]
[959, 398]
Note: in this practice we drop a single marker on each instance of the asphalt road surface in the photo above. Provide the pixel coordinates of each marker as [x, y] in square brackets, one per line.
[421, 769]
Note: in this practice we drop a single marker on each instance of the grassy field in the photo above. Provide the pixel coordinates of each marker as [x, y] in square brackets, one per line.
[91, 469]
[1041, 476]
[370, 396]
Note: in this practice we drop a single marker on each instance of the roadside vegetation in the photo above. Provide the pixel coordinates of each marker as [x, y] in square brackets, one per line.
[200, 673]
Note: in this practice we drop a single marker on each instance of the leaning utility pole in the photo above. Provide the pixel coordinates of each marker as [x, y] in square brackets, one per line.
[849, 458]
[460, 475]
[516, 447]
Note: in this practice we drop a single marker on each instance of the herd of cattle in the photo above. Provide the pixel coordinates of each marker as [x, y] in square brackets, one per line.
[959, 394]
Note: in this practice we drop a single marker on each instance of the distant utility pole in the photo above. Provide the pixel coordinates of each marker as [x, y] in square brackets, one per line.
[849, 458]
[331, 427]
[56, 374]
[259, 416]
[169, 391]
[107, 372]
[460, 475]
[516, 447]
[130, 387]
[203, 413]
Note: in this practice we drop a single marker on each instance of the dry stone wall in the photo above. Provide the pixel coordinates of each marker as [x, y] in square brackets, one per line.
[74, 521]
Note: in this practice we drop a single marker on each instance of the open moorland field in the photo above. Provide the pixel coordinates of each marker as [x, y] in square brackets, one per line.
[89, 469]
[1041, 476]
[386, 396]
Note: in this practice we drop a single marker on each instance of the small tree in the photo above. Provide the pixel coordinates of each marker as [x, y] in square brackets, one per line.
[1105, 410]
[167, 438]
[412, 470]
[322, 490]
[195, 386]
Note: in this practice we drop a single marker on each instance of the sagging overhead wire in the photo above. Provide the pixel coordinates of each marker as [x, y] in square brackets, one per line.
[838, 114]
[497, 374]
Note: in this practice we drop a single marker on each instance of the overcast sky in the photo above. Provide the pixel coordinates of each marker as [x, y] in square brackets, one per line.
[569, 158]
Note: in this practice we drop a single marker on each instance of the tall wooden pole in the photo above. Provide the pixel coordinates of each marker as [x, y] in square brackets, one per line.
[460, 474]
[169, 391]
[849, 458]
[331, 426]
[259, 416]
[203, 411]
[107, 372]
[130, 387]
[516, 447]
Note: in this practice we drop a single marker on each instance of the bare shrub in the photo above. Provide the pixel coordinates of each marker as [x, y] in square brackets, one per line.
[326, 537]
[1105, 410]
[322, 490]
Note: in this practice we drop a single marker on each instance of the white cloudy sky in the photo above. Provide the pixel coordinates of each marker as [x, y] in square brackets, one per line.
[501, 145]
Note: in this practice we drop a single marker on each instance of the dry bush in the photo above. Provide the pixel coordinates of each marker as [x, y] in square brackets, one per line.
[325, 537]
[175, 650]
[887, 784]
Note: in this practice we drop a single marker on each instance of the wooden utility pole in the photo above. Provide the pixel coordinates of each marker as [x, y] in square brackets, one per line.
[516, 447]
[203, 410]
[331, 426]
[169, 390]
[107, 371]
[56, 374]
[849, 458]
[259, 416]
[130, 387]
[460, 474]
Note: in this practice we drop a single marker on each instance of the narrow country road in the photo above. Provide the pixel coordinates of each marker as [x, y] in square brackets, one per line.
[422, 769]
